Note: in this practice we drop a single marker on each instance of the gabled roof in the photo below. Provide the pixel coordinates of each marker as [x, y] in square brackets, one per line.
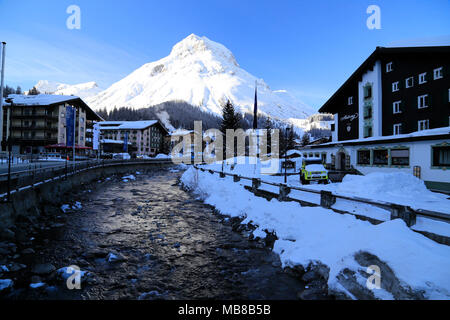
[380, 52]
[129, 125]
[50, 100]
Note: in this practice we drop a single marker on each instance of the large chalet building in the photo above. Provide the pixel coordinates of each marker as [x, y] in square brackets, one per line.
[36, 124]
[393, 114]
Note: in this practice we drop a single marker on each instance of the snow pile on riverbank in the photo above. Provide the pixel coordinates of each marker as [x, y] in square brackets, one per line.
[308, 234]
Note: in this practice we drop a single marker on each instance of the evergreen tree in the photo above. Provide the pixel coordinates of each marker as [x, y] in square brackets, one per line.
[19, 90]
[33, 92]
[230, 118]
[305, 139]
[268, 125]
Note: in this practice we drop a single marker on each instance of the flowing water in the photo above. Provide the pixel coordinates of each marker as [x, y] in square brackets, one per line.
[169, 245]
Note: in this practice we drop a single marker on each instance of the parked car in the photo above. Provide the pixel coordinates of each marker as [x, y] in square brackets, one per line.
[313, 170]
[121, 156]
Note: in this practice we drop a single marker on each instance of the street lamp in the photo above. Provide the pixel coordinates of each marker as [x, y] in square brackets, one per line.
[8, 144]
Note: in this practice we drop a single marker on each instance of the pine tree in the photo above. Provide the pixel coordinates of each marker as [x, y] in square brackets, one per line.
[291, 138]
[268, 126]
[33, 92]
[305, 139]
[19, 90]
[230, 118]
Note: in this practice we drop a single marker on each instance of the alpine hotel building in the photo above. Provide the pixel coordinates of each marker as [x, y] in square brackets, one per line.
[392, 114]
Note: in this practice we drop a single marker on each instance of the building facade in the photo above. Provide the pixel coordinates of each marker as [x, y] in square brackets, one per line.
[147, 136]
[392, 114]
[37, 123]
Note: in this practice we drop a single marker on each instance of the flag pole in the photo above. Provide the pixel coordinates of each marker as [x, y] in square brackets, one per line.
[74, 136]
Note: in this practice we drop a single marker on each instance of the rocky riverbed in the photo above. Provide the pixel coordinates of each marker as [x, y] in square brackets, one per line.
[143, 237]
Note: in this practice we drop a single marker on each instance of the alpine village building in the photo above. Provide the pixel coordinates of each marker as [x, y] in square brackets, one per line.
[36, 124]
[146, 137]
[393, 114]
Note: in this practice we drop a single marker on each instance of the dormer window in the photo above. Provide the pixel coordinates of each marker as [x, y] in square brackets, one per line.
[409, 82]
[350, 101]
[389, 67]
[438, 73]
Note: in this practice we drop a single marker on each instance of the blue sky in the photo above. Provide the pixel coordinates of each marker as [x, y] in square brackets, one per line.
[306, 47]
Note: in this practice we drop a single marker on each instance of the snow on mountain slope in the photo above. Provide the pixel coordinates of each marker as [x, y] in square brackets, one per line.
[203, 73]
[82, 90]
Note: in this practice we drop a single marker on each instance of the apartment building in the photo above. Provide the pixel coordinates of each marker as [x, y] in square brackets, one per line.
[146, 136]
[36, 124]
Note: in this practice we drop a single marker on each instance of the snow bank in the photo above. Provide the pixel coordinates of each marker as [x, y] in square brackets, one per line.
[308, 234]
[162, 156]
[398, 187]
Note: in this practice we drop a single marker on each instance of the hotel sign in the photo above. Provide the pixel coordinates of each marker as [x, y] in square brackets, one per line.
[349, 117]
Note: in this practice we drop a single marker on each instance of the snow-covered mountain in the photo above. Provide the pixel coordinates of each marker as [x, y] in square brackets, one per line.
[82, 90]
[203, 73]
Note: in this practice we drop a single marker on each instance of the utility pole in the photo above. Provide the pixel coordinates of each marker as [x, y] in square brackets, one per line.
[2, 80]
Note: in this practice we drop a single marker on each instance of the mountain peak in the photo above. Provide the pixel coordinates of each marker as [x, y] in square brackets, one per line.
[194, 45]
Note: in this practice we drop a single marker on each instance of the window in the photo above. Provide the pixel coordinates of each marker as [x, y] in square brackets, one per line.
[380, 157]
[422, 101]
[400, 157]
[409, 82]
[441, 156]
[396, 107]
[363, 156]
[350, 101]
[437, 73]
[367, 92]
[395, 86]
[397, 128]
[367, 131]
[422, 78]
[389, 67]
[423, 125]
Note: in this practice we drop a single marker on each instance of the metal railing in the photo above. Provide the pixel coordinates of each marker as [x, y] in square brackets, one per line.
[35, 174]
[328, 199]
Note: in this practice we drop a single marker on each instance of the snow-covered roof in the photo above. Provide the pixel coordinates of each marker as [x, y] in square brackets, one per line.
[181, 132]
[112, 141]
[126, 125]
[40, 99]
[291, 152]
[423, 133]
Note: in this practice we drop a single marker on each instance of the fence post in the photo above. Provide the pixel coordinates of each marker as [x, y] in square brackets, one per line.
[284, 191]
[405, 213]
[327, 199]
[256, 183]
[222, 175]
[236, 178]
